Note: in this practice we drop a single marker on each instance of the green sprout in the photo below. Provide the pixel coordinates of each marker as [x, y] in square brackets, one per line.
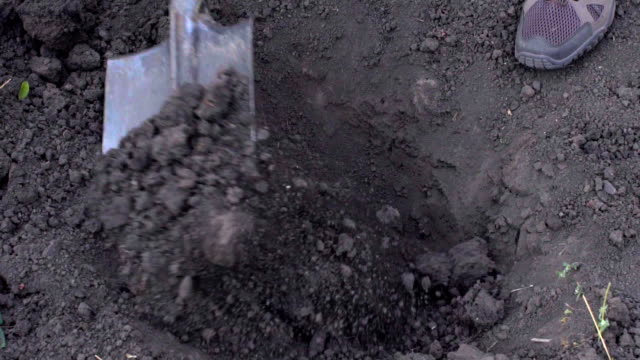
[579, 291]
[567, 269]
[3, 339]
[603, 322]
[568, 312]
[24, 90]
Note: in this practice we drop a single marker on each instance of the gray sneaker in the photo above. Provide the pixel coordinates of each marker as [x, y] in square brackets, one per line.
[553, 33]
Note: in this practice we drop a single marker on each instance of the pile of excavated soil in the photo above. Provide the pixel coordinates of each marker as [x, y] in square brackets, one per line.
[221, 246]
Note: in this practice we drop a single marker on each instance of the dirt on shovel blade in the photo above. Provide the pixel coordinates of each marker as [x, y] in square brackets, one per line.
[413, 194]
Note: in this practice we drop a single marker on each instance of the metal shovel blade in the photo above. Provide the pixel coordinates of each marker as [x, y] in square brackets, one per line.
[199, 49]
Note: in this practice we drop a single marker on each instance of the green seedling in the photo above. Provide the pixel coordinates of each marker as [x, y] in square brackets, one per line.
[3, 340]
[603, 322]
[579, 291]
[568, 312]
[567, 269]
[24, 90]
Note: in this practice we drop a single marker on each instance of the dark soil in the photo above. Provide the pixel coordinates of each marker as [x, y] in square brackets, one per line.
[413, 195]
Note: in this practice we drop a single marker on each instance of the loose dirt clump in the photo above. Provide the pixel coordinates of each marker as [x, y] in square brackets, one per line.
[169, 197]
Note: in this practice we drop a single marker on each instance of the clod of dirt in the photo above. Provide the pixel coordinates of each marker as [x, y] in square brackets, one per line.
[429, 97]
[618, 311]
[222, 242]
[26, 195]
[627, 93]
[317, 343]
[413, 356]
[588, 354]
[58, 25]
[408, 281]
[482, 309]
[608, 187]
[626, 340]
[115, 213]
[527, 91]
[617, 238]
[84, 310]
[436, 350]
[435, 265]
[537, 85]
[466, 352]
[48, 68]
[160, 196]
[470, 262]
[83, 57]
[345, 244]
[516, 174]
[425, 283]
[388, 215]
[185, 289]
[429, 45]
[609, 173]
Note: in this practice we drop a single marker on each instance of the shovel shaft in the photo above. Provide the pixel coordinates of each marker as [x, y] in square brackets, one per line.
[182, 42]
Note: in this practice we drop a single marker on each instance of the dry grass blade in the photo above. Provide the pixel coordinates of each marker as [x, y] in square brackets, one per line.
[595, 323]
[5, 83]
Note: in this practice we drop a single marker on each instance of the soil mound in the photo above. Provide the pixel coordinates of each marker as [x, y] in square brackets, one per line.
[219, 243]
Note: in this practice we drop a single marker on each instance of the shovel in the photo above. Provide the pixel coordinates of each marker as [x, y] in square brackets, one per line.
[198, 49]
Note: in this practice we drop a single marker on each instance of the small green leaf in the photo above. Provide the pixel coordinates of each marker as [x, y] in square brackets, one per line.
[24, 90]
[3, 340]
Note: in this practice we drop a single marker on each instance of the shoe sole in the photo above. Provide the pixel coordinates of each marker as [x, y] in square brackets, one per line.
[543, 62]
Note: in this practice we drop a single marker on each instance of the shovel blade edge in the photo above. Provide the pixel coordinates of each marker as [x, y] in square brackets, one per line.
[136, 88]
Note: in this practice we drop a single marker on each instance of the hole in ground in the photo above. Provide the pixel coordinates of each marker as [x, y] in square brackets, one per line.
[4, 285]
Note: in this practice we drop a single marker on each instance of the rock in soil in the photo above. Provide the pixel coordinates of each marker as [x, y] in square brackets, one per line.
[466, 352]
[437, 266]
[482, 309]
[470, 262]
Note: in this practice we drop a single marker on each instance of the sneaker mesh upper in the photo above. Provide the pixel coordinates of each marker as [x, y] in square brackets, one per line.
[552, 20]
[595, 10]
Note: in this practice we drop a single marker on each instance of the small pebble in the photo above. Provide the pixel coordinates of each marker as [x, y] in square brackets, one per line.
[345, 244]
[388, 214]
[408, 280]
[84, 310]
[300, 183]
[185, 289]
[616, 238]
[537, 86]
[609, 173]
[262, 187]
[547, 169]
[346, 271]
[598, 184]
[349, 224]
[426, 284]
[609, 188]
[429, 45]
[263, 134]
[527, 91]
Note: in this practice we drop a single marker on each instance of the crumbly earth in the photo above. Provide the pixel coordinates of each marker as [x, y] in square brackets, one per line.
[413, 195]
